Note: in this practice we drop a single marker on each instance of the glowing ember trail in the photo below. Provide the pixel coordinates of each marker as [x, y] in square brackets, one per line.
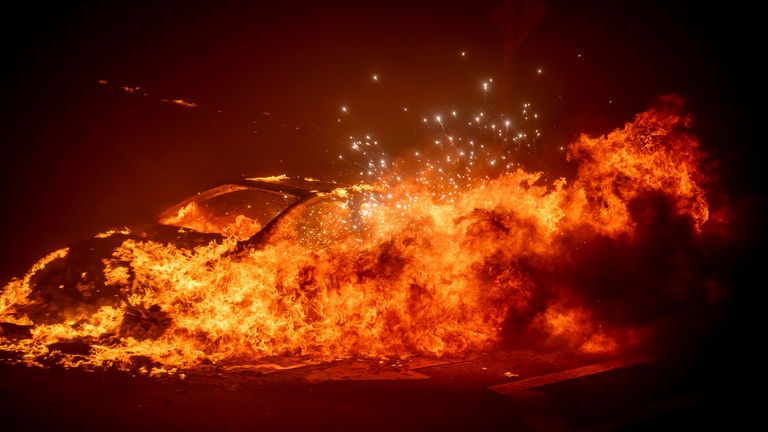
[405, 270]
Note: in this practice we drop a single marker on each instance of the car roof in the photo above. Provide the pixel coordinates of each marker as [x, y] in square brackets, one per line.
[302, 187]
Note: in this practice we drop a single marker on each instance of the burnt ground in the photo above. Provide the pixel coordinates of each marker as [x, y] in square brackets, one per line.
[645, 395]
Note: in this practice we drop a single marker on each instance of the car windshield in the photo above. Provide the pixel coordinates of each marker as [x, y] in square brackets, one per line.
[327, 220]
[231, 210]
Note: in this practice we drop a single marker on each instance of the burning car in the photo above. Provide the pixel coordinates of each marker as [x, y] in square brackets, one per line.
[247, 211]
[438, 264]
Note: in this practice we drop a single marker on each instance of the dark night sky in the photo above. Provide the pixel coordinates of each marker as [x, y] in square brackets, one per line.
[80, 157]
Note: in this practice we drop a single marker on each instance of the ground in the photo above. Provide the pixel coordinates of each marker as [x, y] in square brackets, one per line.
[420, 394]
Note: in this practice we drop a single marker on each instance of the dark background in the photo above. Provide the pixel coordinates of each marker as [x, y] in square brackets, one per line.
[80, 157]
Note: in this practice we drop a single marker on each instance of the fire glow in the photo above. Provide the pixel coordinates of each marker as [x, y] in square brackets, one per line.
[437, 268]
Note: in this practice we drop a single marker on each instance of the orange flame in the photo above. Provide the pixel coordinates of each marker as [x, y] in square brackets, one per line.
[395, 274]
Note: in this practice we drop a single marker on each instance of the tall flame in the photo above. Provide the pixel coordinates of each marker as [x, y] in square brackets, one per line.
[403, 272]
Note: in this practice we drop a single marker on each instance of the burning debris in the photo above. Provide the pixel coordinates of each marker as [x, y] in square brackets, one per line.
[137, 90]
[401, 268]
[180, 102]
